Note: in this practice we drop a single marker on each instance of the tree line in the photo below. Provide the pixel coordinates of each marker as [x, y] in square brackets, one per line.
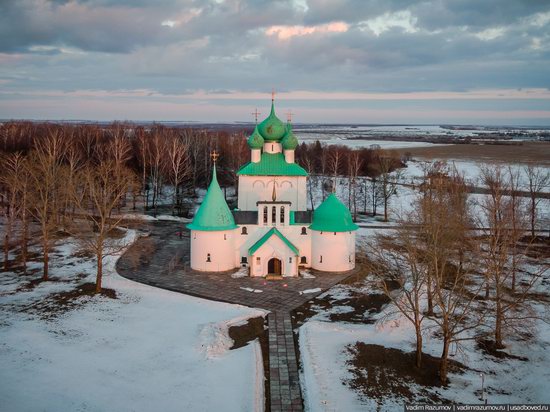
[56, 174]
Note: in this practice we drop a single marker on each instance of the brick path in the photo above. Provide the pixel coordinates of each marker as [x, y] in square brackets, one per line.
[284, 382]
[162, 260]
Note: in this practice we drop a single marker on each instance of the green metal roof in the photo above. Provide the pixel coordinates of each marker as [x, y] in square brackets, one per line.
[265, 238]
[272, 164]
[213, 214]
[289, 142]
[272, 128]
[332, 216]
[256, 141]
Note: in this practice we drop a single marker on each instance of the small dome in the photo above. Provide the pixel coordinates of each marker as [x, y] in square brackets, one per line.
[255, 141]
[332, 216]
[272, 128]
[289, 142]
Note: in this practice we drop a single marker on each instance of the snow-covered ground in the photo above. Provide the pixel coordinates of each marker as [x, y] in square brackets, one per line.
[471, 171]
[411, 135]
[326, 369]
[359, 143]
[149, 349]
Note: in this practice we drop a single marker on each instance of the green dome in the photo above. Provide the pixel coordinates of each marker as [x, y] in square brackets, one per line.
[289, 142]
[256, 141]
[213, 214]
[272, 128]
[332, 216]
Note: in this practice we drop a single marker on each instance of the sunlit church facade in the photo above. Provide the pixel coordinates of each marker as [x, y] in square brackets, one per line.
[271, 232]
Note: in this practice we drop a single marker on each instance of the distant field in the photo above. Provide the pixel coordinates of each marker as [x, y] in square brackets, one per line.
[529, 152]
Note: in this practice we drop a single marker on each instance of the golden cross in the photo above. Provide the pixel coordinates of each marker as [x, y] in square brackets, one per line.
[256, 113]
[289, 115]
[273, 94]
[214, 155]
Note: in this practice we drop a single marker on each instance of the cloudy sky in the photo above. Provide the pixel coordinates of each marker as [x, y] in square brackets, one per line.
[365, 61]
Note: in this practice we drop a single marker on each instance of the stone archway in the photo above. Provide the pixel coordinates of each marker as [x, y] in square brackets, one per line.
[274, 266]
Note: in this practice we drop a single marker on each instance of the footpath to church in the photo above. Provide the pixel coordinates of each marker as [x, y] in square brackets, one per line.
[162, 260]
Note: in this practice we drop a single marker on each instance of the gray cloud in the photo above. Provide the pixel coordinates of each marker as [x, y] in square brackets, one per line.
[176, 46]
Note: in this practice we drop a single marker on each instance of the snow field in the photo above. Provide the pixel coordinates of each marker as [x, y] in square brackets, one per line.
[150, 349]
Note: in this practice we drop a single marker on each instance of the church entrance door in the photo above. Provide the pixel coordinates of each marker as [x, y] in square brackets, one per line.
[274, 267]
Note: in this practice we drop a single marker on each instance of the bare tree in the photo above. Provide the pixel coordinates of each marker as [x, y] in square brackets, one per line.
[157, 146]
[120, 150]
[375, 194]
[97, 194]
[445, 222]
[324, 168]
[309, 164]
[334, 160]
[46, 176]
[143, 151]
[178, 166]
[388, 178]
[537, 180]
[354, 167]
[502, 225]
[11, 177]
[397, 259]
[517, 220]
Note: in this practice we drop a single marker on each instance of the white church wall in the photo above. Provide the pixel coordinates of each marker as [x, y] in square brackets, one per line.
[253, 189]
[272, 147]
[213, 251]
[333, 251]
[255, 155]
[289, 156]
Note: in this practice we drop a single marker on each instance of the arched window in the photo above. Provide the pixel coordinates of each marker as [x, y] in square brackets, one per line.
[303, 259]
[224, 236]
[282, 215]
[321, 259]
[265, 215]
[290, 260]
[244, 230]
[304, 231]
[208, 257]
[273, 215]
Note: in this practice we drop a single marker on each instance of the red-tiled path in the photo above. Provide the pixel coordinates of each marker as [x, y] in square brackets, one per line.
[162, 260]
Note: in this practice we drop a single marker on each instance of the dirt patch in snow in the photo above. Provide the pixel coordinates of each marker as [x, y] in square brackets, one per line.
[361, 308]
[242, 335]
[489, 347]
[59, 303]
[379, 372]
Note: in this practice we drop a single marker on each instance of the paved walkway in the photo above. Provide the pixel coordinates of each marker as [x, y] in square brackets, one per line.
[284, 382]
[162, 260]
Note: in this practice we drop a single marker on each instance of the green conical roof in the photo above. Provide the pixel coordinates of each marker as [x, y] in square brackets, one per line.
[256, 141]
[289, 142]
[213, 214]
[332, 216]
[272, 128]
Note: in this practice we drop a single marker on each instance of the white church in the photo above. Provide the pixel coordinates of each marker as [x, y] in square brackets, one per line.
[272, 233]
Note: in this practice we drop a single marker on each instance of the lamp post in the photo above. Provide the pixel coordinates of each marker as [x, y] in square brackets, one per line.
[483, 399]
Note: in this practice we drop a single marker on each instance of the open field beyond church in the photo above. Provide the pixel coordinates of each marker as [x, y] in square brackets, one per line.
[537, 153]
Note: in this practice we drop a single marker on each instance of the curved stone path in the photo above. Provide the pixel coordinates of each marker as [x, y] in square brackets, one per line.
[162, 260]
